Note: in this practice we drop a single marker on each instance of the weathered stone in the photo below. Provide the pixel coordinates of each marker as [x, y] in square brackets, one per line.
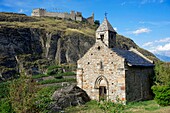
[69, 96]
[122, 74]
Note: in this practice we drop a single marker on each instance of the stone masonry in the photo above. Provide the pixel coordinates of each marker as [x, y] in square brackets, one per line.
[76, 16]
[106, 72]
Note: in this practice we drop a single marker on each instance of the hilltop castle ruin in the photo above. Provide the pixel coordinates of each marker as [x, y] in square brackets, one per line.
[76, 16]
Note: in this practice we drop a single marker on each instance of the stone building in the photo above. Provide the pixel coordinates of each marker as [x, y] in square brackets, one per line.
[106, 72]
[76, 16]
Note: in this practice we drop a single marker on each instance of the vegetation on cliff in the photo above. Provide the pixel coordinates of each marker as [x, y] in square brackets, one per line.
[30, 44]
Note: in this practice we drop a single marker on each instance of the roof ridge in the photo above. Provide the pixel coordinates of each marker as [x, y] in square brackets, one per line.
[140, 54]
[105, 26]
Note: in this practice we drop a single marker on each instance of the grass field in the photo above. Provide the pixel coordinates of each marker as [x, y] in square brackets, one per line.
[135, 107]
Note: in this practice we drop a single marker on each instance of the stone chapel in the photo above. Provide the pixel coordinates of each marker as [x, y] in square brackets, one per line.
[106, 72]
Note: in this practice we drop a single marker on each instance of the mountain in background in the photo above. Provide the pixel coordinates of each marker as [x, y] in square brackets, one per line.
[163, 58]
[31, 44]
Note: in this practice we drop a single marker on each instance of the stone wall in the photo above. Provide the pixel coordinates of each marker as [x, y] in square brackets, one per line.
[138, 83]
[73, 16]
[100, 66]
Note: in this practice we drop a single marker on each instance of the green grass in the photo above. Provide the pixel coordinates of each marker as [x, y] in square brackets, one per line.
[43, 98]
[66, 74]
[53, 25]
[133, 107]
[39, 76]
[56, 81]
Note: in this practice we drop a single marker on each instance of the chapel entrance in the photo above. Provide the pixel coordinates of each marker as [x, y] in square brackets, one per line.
[102, 93]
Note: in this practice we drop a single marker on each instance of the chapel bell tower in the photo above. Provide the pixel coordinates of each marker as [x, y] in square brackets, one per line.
[106, 34]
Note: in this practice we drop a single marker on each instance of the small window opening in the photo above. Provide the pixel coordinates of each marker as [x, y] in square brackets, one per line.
[102, 37]
[101, 65]
[98, 48]
[88, 63]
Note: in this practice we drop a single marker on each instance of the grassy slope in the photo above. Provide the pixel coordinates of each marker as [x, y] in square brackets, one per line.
[46, 23]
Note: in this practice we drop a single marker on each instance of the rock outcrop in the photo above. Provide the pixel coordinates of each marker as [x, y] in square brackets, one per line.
[66, 97]
[31, 44]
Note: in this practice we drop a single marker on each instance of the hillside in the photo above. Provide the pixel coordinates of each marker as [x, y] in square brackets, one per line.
[31, 44]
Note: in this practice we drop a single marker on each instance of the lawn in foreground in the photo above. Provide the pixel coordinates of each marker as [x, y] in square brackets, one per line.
[133, 107]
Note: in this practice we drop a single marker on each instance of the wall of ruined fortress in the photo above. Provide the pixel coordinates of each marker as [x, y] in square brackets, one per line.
[72, 15]
[76, 16]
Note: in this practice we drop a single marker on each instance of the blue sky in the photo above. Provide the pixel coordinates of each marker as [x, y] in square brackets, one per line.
[147, 22]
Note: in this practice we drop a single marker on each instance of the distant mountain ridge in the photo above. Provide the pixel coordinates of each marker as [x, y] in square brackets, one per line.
[163, 58]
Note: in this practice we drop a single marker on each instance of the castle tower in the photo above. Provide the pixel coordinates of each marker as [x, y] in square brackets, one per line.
[106, 34]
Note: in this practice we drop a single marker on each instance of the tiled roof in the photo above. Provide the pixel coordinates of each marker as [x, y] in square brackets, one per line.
[105, 26]
[132, 58]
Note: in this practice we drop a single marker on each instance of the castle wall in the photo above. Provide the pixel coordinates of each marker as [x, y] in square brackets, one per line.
[90, 20]
[138, 85]
[110, 67]
[79, 18]
[72, 15]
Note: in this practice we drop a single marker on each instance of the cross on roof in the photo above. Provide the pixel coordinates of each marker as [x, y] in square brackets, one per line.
[105, 14]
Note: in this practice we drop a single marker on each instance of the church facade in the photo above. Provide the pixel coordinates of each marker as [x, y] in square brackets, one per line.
[106, 72]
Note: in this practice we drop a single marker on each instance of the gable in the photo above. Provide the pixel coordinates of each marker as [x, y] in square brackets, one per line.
[98, 51]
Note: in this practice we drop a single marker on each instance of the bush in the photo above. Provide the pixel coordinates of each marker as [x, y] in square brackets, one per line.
[162, 94]
[162, 72]
[111, 107]
[22, 93]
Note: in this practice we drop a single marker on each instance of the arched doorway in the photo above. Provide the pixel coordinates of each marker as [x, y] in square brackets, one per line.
[101, 84]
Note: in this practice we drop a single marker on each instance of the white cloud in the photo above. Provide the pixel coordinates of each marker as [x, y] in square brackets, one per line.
[165, 47]
[163, 40]
[21, 11]
[161, 46]
[147, 44]
[141, 30]
[151, 1]
[115, 28]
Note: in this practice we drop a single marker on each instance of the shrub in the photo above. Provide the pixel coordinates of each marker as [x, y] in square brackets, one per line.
[162, 72]
[162, 94]
[22, 93]
[111, 107]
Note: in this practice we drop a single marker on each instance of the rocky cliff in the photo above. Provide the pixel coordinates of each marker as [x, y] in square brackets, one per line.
[30, 44]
